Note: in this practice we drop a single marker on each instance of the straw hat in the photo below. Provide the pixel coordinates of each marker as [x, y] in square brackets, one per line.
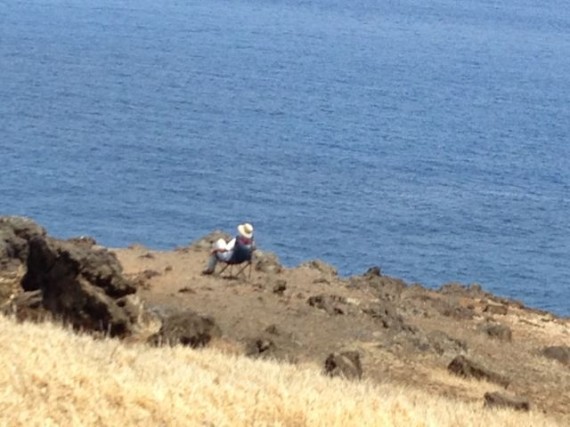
[246, 230]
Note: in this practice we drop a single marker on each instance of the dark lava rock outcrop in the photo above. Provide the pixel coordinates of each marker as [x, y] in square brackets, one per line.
[15, 232]
[80, 284]
[74, 281]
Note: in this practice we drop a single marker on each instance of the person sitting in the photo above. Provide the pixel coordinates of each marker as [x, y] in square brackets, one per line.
[236, 251]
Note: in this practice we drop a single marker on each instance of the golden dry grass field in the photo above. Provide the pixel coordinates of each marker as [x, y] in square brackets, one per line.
[50, 376]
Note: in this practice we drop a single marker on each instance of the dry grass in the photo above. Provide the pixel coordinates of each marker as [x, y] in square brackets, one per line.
[50, 376]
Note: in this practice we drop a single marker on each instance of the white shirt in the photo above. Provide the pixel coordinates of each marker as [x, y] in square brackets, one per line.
[227, 246]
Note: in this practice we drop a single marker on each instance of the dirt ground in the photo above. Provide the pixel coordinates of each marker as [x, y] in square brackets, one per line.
[404, 333]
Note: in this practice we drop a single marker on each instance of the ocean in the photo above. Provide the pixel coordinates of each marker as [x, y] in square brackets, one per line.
[427, 137]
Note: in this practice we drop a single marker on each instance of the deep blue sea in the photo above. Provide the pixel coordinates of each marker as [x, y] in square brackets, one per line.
[428, 137]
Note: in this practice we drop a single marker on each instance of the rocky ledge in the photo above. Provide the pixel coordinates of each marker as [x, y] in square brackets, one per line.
[458, 340]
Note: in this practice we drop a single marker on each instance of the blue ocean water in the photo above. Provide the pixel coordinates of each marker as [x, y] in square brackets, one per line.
[429, 137]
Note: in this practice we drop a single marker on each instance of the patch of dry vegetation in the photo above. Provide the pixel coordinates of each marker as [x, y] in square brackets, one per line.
[51, 376]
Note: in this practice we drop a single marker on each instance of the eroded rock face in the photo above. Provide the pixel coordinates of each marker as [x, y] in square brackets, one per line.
[79, 284]
[14, 235]
[15, 232]
[186, 328]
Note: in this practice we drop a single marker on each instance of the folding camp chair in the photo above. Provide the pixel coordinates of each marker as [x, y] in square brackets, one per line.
[240, 255]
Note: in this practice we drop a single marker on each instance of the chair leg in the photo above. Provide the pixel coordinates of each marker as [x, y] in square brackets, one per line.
[223, 269]
[240, 271]
[243, 268]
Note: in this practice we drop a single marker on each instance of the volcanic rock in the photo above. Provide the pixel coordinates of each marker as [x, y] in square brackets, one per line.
[469, 369]
[500, 400]
[205, 243]
[495, 309]
[15, 232]
[27, 306]
[441, 343]
[558, 352]
[461, 290]
[332, 304]
[280, 287]
[321, 266]
[14, 235]
[497, 331]
[79, 284]
[266, 262]
[385, 313]
[186, 328]
[345, 365]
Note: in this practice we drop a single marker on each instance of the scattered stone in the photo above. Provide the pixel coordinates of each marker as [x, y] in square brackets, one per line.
[451, 308]
[186, 290]
[442, 343]
[461, 290]
[495, 309]
[205, 243]
[385, 313]
[86, 241]
[137, 247]
[273, 330]
[560, 353]
[186, 328]
[141, 280]
[413, 339]
[345, 365]
[466, 368]
[266, 262]
[133, 307]
[373, 272]
[321, 266]
[27, 306]
[149, 274]
[147, 255]
[280, 287]
[497, 331]
[500, 400]
[273, 343]
[329, 303]
[259, 347]
[387, 288]
[168, 268]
